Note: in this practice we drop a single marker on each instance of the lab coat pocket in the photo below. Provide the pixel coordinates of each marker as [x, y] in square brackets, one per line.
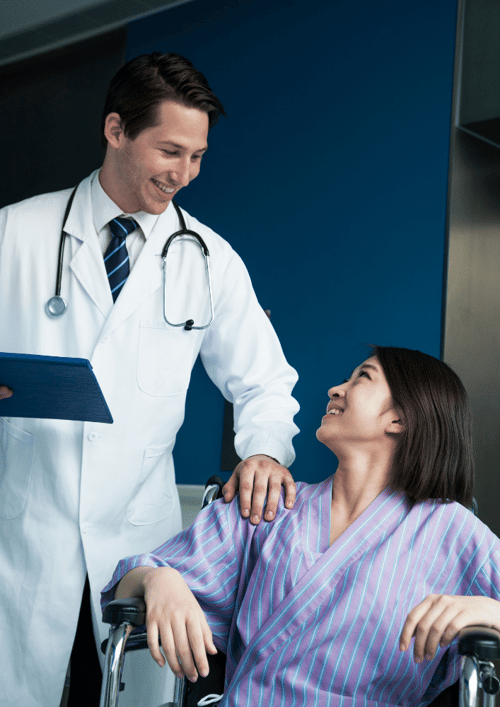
[165, 359]
[16, 466]
[154, 495]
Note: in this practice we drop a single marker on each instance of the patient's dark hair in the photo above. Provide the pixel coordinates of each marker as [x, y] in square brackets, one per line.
[138, 88]
[433, 457]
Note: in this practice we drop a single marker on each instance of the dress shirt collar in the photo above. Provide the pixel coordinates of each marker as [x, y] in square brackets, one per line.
[105, 209]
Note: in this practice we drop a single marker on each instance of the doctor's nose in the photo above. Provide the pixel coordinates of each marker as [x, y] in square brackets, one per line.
[182, 174]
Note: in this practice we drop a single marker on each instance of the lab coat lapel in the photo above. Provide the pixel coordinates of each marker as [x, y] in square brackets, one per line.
[317, 583]
[146, 276]
[87, 263]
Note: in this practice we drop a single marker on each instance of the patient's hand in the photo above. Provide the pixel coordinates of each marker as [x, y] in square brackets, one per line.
[255, 478]
[5, 392]
[438, 619]
[174, 615]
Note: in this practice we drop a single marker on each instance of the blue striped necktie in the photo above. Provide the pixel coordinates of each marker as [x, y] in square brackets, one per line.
[116, 256]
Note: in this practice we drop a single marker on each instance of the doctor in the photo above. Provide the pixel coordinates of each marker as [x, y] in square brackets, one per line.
[76, 497]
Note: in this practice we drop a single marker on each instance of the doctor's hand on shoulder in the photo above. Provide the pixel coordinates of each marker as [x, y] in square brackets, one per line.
[5, 392]
[255, 478]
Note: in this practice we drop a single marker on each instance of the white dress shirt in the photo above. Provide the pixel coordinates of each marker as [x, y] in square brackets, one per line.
[104, 210]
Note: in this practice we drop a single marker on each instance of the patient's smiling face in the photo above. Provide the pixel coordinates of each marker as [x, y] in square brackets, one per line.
[360, 410]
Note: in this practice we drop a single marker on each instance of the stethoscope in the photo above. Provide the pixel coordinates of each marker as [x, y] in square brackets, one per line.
[56, 305]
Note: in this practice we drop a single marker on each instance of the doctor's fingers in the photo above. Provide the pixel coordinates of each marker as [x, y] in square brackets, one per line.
[5, 392]
[261, 477]
[242, 481]
[230, 488]
[284, 479]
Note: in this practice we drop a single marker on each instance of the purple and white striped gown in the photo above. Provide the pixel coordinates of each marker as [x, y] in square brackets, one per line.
[303, 623]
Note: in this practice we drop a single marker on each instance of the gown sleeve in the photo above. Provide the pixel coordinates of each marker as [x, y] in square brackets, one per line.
[213, 556]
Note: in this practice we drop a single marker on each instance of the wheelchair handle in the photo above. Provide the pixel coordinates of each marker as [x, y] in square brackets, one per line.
[133, 611]
[481, 642]
[479, 645]
[213, 490]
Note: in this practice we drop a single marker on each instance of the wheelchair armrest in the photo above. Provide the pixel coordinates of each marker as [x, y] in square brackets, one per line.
[481, 642]
[132, 611]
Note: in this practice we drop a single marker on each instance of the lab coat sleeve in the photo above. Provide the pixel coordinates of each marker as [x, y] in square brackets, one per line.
[243, 357]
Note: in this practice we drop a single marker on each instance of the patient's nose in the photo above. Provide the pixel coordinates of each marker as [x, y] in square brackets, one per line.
[337, 391]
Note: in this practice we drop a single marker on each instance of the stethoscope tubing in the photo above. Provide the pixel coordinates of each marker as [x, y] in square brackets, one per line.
[185, 232]
[56, 305]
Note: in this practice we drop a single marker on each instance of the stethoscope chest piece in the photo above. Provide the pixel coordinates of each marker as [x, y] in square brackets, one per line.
[56, 306]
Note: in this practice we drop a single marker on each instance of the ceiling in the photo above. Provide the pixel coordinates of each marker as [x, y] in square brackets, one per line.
[28, 28]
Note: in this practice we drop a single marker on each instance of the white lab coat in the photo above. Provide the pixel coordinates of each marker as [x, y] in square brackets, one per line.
[76, 497]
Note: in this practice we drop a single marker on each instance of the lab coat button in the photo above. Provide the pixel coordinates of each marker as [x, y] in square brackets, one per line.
[85, 527]
[92, 436]
[105, 340]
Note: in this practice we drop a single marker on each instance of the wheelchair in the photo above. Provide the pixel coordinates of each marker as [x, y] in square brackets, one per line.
[479, 646]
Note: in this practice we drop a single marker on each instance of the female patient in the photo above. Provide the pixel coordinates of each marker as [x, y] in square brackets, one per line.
[321, 606]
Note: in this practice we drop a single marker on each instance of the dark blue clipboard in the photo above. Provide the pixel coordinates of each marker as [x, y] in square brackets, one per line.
[51, 387]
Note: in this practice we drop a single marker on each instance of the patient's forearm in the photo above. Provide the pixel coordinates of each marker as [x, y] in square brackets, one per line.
[173, 613]
[132, 585]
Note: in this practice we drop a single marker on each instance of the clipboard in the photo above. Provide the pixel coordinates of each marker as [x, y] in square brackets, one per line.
[51, 387]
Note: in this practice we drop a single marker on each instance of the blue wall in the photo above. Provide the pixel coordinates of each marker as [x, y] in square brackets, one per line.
[329, 177]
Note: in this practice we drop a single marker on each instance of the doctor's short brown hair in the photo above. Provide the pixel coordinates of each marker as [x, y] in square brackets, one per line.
[138, 88]
[433, 457]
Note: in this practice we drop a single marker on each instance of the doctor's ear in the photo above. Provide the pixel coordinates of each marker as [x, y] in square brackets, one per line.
[113, 130]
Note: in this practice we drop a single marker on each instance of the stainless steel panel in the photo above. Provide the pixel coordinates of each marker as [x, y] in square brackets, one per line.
[472, 321]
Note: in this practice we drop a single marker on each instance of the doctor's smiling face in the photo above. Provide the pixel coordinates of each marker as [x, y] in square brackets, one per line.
[145, 172]
[361, 410]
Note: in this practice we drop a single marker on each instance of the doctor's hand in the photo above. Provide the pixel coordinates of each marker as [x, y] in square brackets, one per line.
[436, 621]
[5, 392]
[255, 478]
[173, 617]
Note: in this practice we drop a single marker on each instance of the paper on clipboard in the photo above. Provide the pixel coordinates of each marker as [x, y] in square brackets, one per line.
[51, 387]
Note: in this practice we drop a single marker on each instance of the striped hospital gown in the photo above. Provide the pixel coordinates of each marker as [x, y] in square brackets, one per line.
[303, 623]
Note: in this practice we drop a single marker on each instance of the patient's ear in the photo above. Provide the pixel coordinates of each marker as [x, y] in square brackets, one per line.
[397, 424]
